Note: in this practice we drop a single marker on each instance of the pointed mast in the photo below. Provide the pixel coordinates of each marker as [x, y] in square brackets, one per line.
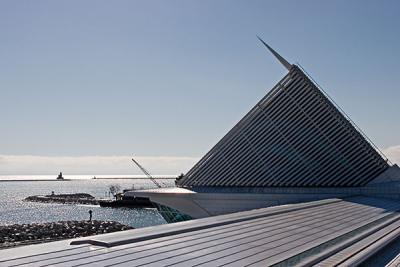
[283, 61]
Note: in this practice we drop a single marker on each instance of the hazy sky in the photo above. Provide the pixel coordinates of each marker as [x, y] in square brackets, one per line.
[83, 80]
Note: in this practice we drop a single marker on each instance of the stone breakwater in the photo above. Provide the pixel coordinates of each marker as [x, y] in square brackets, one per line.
[24, 234]
[79, 198]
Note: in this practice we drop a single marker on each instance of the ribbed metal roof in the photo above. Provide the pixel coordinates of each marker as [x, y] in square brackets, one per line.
[327, 232]
[294, 136]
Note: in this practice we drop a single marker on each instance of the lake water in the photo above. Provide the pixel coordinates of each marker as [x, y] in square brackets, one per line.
[14, 210]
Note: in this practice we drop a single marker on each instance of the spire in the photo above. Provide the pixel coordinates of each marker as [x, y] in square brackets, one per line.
[283, 61]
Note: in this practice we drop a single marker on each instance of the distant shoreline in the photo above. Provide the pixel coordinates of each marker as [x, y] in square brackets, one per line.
[37, 180]
[80, 179]
[137, 178]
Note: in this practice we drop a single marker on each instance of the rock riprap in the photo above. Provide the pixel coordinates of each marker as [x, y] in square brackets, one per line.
[78, 198]
[20, 234]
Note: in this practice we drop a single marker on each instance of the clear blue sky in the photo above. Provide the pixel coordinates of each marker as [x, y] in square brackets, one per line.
[170, 78]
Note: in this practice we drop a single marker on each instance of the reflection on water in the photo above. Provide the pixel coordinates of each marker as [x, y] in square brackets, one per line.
[14, 210]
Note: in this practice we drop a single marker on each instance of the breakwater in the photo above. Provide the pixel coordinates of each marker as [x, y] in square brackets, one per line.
[78, 198]
[25, 234]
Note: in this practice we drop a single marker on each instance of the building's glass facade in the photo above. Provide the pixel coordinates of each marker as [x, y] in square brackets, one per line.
[171, 215]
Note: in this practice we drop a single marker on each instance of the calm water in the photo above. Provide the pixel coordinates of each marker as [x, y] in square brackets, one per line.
[14, 210]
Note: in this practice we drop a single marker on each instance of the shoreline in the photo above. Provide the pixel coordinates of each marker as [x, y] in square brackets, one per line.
[38, 180]
[27, 234]
[80, 179]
